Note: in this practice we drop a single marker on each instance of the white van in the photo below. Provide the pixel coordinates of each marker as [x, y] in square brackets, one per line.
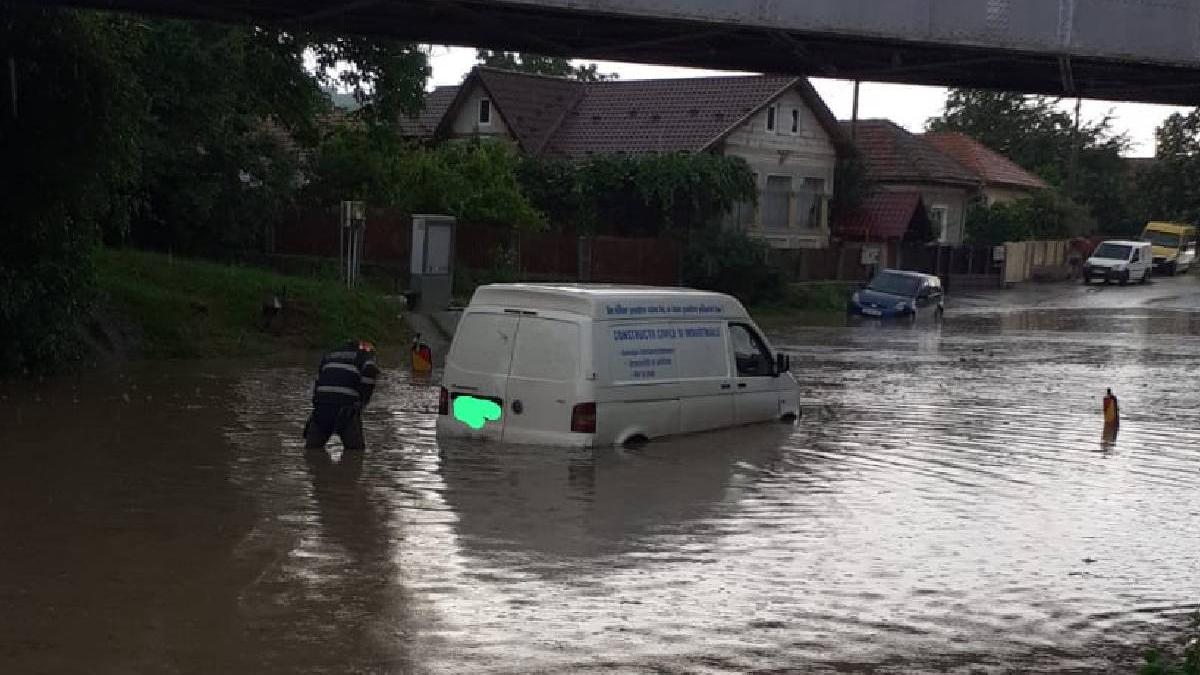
[595, 365]
[1120, 261]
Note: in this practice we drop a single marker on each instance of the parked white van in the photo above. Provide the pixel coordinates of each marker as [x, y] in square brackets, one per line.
[1120, 261]
[595, 365]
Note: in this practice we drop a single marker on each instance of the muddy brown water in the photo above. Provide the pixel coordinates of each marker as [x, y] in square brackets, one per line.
[946, 503]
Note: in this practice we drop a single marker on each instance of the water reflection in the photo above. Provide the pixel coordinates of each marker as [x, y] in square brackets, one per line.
[557, 503]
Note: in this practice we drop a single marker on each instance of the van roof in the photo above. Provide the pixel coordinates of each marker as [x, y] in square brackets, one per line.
[1124, 242]
[611, 301]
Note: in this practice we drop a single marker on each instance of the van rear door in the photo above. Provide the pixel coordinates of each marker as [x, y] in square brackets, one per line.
[542, 380]
[477, 371]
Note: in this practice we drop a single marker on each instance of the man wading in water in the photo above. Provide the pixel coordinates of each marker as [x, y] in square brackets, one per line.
[343, 388]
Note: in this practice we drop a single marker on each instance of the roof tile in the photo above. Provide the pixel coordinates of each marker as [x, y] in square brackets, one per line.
[893, 155]
[882, 215]
[572, 119]
[436, 104]
[990, 166]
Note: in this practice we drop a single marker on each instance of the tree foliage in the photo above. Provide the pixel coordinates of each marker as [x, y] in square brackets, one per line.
[643, 195]
[230, 111]
[475, 181]
[853, 183]
[535, 64]
[1168, 187]
[68, 154]
[731, 261]
[1085, 165]
[1046, 215]
[178, 135]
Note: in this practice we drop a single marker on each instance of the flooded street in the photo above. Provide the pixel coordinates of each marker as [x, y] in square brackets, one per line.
[947, 503]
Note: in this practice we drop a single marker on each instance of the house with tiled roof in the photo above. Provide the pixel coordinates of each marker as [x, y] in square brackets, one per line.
[1000, 178]
[899, 161]
[778, 124]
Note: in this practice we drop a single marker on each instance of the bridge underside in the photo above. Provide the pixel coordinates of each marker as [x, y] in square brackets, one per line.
[574, 30]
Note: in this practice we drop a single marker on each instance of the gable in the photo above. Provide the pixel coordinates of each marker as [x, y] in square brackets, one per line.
[465, 119]
[811, 136]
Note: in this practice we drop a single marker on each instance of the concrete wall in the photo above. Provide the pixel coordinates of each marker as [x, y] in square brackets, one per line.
[807, 153]
[466, 122]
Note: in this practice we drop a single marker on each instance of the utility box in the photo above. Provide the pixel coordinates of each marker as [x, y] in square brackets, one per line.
[431, 268]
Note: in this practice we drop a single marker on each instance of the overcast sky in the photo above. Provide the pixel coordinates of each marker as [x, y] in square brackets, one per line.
[908, 106]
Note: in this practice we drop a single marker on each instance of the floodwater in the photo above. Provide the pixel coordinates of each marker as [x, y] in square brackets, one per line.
[947, 503]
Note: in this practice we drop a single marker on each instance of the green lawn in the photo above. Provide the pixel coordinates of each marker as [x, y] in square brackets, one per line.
[189, 308]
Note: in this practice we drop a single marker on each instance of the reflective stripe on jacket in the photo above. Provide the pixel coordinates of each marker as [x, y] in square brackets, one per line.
[347, 376]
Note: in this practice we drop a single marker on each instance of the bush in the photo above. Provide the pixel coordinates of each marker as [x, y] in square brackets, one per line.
[473, 181]
[649, 195]
[730, 261]
[1046, 215]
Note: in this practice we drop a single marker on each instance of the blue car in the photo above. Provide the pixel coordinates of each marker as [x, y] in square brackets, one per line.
[899, 294]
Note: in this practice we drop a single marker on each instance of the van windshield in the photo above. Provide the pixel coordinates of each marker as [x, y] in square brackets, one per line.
[1163, 239]
[1112, 251]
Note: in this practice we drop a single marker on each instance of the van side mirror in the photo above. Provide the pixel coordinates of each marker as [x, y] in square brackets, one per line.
[783, 363]
[1137, 256]
[923, 294]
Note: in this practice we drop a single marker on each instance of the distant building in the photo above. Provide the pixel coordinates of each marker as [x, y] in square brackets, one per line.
[778, 124]
[949, 170]
[1001, 179]
[899, 161]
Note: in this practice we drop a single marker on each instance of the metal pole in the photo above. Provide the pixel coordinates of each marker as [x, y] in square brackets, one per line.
[854, 114]
[1076, 141]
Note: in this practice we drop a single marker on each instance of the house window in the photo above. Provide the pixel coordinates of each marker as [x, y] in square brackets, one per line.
[777, 200]
[810, 203]
[742, 215]
[939, 214]
[771, 118]
[485, 112]
[795, 120]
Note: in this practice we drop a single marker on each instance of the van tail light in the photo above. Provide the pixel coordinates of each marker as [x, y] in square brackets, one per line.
[443, 401]
[583, 418]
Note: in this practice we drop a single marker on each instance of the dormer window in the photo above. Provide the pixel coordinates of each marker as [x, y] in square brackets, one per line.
[795, 120]
[485, 112]
[771, 118]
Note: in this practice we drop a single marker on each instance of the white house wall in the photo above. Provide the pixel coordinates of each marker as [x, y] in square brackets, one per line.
[809, 153]
[466, 121]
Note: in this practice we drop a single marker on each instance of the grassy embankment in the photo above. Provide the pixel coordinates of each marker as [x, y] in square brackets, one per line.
[808, 302]
[178, 307]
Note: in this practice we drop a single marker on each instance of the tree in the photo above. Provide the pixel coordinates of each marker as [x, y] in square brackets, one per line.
[1084, 164]
[181, 135]
[1046, 215]
[541, 65]
[231, 109]
[474, 181]
[1168, 187]
[68, 157]
[647, 195]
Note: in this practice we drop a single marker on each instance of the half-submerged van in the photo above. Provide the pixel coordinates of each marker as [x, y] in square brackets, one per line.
[595, 365]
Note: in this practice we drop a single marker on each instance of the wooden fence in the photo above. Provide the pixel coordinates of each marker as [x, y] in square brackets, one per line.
[542, 256]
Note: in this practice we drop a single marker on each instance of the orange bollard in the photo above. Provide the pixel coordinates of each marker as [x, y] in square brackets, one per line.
[1112, 410]
[422, 357]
